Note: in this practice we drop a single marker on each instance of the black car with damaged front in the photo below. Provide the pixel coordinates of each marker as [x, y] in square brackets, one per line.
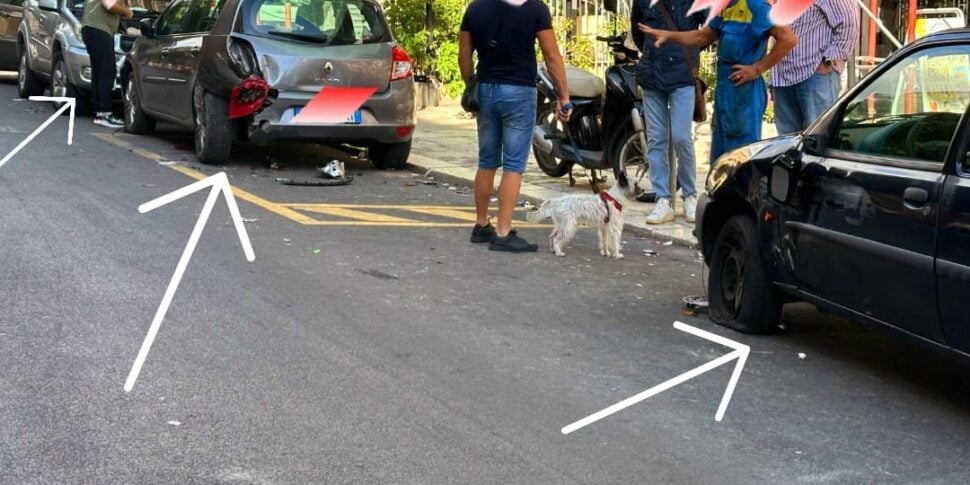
[865, 214]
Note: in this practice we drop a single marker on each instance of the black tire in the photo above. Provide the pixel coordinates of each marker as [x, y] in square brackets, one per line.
[390, 155]
[28, 84]
[61, 87]
[136, 121]
[213, 130]
[549, 164]
[741, 293]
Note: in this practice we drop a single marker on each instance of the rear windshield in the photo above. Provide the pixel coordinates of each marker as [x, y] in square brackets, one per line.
[331, 22]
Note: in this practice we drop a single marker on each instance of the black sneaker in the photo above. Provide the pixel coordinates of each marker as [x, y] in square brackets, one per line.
[108, 120]
[512, 244]
[482, 234]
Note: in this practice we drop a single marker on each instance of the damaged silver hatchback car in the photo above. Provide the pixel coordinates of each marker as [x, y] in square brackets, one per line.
[243, 70]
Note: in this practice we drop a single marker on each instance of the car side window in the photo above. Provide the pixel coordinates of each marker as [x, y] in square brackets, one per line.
[203, 15]
[173, 19]
[912, 110]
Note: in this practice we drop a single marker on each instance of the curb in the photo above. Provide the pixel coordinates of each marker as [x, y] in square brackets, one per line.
[446, 173]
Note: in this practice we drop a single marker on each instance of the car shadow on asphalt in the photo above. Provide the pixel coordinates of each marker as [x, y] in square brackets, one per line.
[924, 370]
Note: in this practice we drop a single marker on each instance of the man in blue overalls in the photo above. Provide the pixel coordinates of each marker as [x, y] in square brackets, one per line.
[740, 97]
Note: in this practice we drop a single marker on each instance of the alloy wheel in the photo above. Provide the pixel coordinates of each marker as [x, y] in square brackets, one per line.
[129, 102]
[22, 71]
[58, 81]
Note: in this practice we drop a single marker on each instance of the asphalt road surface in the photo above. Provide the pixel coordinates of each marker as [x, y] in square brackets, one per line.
[372, 343]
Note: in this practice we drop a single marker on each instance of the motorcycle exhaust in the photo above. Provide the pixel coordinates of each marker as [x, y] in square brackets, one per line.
[540, 141]
[637, 120]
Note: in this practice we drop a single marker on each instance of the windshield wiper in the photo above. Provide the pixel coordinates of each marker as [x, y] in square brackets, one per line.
[298, 36]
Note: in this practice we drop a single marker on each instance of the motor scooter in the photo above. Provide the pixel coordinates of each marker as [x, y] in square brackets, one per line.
[606, 129]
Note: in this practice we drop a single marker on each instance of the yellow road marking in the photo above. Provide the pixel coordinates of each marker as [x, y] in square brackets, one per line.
[358, 215]
[450, 213]
[239, 193]
[350, 211]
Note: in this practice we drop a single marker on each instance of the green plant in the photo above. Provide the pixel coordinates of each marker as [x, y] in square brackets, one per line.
[430, 40]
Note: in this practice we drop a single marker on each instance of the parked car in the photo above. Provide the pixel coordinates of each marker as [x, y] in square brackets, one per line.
[866, 213]
[11, 13]
[234, 70]
[52, 54]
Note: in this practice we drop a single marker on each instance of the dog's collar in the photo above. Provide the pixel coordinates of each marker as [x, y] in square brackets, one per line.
[606, 198]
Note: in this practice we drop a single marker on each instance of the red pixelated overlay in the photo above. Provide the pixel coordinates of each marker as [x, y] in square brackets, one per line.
[783, 12]
[715, 6]
[334, 105]
[786, 11]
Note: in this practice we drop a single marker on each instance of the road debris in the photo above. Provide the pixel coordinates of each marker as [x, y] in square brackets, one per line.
[175, 423]
[696, 304]
[651, 253]
[802, 356]
[668, 243]
[316, 251]
[316, 183]
[250, 220]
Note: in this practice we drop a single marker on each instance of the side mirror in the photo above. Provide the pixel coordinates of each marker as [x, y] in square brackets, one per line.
[147, 27]
[783, 178]
[48, 5]
[609, 5]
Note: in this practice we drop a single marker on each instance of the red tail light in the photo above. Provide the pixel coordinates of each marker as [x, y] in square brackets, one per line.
[404, 131]
[248, 97]
[401, 65]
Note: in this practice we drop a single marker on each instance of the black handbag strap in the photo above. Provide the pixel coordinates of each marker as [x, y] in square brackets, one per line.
[496, 33]
[670, 22]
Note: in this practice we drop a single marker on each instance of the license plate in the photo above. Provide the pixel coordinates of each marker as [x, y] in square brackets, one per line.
[290, 114]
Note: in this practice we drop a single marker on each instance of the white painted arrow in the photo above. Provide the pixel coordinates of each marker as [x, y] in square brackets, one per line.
[69, 103]
[220, 184]
[740, 352]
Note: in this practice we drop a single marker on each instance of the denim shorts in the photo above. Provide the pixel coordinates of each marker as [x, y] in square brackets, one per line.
[506, 120]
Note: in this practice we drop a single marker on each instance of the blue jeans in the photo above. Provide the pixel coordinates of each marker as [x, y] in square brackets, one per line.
[667, 113]
[799, 105]
[506, 120]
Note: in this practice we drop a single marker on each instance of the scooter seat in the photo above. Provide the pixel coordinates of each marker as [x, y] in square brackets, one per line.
[583, 84]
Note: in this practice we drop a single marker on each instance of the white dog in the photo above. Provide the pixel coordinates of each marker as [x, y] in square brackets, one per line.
[603, 210]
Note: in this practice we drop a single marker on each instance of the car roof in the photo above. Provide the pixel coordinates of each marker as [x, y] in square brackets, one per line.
[962, 33]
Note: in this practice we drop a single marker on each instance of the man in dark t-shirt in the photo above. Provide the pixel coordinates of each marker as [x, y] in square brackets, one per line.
[503, 34]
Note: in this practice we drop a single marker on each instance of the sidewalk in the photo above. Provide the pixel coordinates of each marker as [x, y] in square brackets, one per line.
[446, 145]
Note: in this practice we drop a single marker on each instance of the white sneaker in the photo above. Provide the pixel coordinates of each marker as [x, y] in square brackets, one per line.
[662, 212]
[690, 208]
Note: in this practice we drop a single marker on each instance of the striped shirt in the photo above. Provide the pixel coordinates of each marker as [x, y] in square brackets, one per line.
[829, 30]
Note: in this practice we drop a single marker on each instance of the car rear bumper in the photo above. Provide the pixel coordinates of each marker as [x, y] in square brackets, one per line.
[387, 117]
[327, 133]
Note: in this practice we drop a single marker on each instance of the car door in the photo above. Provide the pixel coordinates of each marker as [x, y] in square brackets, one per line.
[872, 199]
[11, 13]
[953, 247]
[184, 54]
[156, 65]
[46, 18]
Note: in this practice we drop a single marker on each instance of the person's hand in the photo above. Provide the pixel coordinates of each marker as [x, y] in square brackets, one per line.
[128, 14]
[742, 74]
[824, 68]
[660, 36]
[561, 114]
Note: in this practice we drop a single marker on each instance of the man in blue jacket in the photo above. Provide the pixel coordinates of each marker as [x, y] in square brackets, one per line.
[666, 74]
[742, 30]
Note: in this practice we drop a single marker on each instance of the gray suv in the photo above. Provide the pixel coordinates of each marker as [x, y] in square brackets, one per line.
[244, 70]
[52, 55]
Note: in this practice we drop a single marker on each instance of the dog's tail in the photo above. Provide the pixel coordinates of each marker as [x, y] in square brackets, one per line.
[539, 215]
